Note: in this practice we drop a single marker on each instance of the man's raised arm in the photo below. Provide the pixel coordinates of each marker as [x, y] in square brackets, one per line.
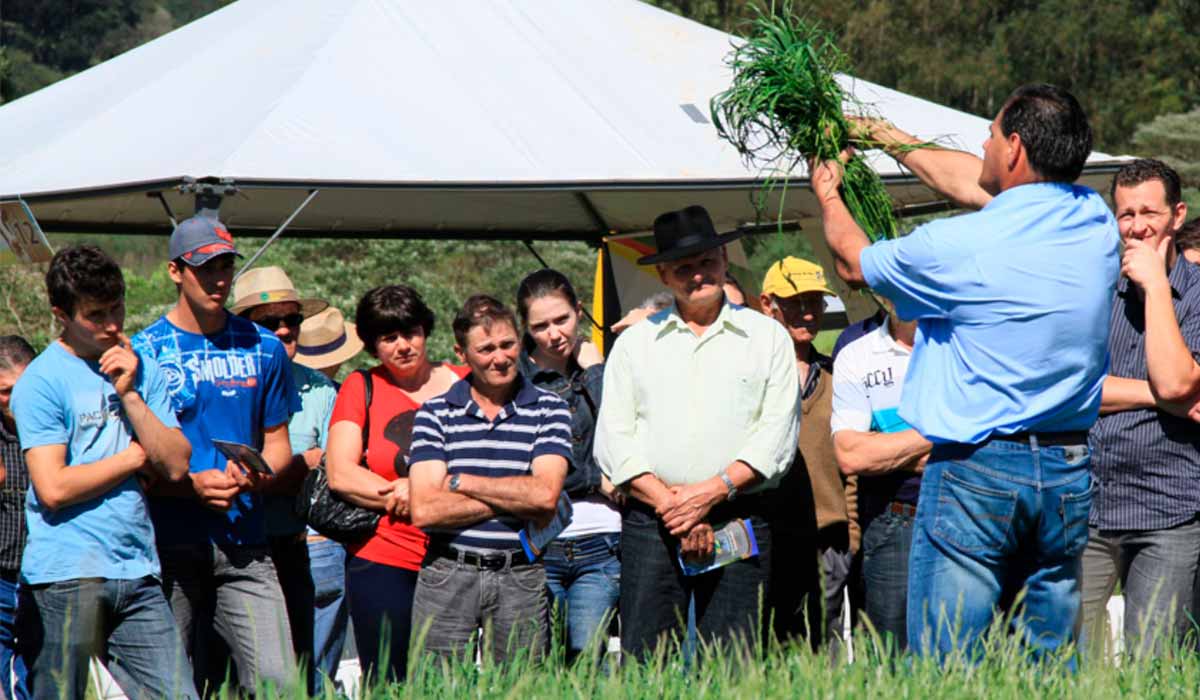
[953, 174]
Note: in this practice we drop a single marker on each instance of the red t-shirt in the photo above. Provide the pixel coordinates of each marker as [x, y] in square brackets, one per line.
[395, 542]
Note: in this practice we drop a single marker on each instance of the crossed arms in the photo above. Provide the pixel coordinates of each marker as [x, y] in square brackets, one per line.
[533, 496]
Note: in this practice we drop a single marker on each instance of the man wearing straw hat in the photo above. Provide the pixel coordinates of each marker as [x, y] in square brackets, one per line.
[230, 380]
[266, 296]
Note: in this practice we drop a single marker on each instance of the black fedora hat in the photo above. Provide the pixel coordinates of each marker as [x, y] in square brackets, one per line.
[684, 233]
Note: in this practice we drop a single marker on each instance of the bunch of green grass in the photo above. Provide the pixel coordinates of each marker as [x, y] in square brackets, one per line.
[785, 103]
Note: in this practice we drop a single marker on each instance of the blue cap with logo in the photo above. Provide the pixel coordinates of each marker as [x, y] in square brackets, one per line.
[200, 239]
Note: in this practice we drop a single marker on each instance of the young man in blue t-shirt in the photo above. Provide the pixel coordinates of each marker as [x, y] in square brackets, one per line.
[93, 415]
[229, 380]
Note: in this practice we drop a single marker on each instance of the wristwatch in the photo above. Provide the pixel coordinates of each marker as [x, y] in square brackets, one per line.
[729, 485]
[454, 483]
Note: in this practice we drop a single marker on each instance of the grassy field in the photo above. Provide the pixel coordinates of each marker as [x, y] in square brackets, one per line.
[798, 673]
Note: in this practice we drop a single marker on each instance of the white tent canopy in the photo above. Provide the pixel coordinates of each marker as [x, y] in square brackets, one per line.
[511, 118]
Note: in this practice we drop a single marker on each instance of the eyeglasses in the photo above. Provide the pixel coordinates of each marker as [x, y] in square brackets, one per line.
[272, 323]
[794, 309]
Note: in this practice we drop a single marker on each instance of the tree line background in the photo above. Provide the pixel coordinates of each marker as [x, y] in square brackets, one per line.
[1134, 64]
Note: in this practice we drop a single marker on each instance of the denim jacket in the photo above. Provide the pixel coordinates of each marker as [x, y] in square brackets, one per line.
[581, 391]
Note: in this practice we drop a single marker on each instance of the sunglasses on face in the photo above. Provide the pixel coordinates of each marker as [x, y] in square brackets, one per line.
[272, 323]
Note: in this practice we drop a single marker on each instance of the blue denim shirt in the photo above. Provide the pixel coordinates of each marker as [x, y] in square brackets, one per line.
[581, 390]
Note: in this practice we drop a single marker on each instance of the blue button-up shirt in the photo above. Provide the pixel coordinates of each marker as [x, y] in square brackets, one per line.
[1013, 303]
[1147, 462]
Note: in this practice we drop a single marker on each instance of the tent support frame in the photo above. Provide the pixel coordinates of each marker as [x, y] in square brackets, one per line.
[258, 253]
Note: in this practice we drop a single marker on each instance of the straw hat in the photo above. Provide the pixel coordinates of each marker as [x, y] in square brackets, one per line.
[267, 285]
[327, 340]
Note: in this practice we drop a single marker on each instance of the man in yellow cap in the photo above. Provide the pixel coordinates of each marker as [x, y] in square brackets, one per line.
[793, 293]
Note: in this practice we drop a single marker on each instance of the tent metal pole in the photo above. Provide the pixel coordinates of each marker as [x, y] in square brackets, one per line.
[167, 208]
[533, 251]
[258, 253]
[612, 299]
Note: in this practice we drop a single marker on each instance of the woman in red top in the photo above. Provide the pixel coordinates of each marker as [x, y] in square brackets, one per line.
[381, 576]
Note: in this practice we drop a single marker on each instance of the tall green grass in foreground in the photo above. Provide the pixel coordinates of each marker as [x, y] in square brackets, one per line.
[796, 672]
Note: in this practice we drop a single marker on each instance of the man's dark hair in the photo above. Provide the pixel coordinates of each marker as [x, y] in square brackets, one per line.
[1144, 170]
[15, 352]
[1188, 235]
[394, 308]
[1053, 128]
[481, 310]
[83, 272]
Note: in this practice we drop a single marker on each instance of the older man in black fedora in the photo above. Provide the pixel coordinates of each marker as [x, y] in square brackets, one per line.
[700, 417]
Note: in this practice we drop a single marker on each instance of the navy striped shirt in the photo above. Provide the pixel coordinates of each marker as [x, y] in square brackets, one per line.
[453, 429]
[1146, 463]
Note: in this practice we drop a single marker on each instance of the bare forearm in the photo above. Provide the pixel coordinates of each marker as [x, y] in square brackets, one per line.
[362, 487]
[649, 489]
[879, 453]
[531, 497]
[953, 174]
[166, 448]
[1173, 373]
[438, 508]
[61, 486]
[845, 239]
[1125, 394]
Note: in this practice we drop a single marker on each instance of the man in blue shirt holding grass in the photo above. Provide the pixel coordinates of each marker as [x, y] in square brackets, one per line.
[1012, 304]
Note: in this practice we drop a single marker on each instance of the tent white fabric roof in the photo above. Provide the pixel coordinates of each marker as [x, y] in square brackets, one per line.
[523, 118]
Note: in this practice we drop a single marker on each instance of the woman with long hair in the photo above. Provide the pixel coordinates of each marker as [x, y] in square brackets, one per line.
[583, 568]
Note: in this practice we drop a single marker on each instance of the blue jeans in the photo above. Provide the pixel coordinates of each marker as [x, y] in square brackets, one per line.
[11, 664]
[327, 562]
[124, 622]
[584, 578]
[381, 605]
[994, 520]
[886, 544]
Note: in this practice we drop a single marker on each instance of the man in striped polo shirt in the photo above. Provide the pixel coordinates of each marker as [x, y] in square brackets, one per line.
[488, 457]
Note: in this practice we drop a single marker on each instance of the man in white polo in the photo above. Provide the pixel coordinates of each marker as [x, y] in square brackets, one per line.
[871, 441]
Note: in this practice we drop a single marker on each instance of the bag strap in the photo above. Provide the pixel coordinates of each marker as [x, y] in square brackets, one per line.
[368, 391]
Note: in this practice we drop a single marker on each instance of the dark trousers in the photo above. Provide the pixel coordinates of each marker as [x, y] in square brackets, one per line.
[290, 556]
[381, 603]
[654, 591]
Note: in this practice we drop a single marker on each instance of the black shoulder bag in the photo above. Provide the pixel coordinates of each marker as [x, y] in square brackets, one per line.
[325, 511]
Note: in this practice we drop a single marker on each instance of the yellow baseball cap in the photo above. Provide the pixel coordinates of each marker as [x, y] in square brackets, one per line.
[792, 276]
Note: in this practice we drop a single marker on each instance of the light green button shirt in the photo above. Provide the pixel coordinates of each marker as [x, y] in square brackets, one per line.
[683, 407]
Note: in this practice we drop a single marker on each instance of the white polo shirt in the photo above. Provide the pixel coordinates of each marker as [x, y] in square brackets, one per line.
[868, 377]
